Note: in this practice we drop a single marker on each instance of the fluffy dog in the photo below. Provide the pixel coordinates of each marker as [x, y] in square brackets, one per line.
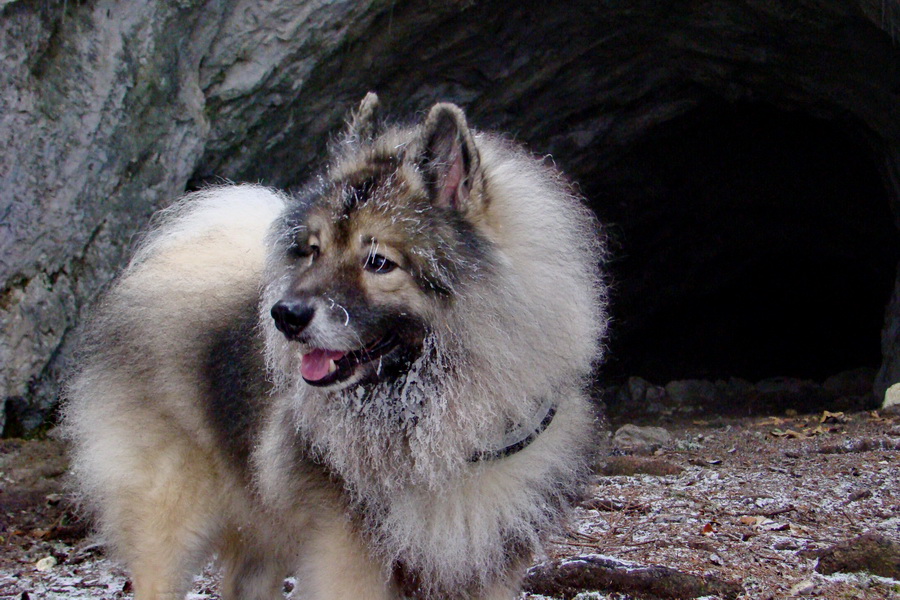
[376, 384]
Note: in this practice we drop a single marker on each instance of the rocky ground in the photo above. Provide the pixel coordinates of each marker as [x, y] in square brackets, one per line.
[728, 507]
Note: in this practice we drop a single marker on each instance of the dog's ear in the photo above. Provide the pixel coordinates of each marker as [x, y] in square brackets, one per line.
[449, 159]
[361, 124]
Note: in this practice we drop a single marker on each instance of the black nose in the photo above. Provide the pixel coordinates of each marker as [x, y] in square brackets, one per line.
[292, 316]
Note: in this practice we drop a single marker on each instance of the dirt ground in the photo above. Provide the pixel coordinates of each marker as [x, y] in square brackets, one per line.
[751, 502]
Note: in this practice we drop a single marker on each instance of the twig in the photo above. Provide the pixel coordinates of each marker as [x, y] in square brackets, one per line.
[763, 513]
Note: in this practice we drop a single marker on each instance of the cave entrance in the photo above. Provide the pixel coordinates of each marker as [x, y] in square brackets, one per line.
[749, 242]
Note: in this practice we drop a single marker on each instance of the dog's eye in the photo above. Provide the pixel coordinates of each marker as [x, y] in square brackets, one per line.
[376, 263]
[310, 251]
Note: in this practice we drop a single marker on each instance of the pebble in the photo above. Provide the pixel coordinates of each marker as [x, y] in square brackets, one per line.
[806, 587]
[785, 544]
[641, 440]
[45, 564]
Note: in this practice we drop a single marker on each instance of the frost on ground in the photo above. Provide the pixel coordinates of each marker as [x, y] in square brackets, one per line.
[750, 501]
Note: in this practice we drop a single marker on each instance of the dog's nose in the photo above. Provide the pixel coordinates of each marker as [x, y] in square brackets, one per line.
[292, 316]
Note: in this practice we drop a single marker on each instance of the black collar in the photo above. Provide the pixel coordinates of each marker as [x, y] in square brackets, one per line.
[519, 438]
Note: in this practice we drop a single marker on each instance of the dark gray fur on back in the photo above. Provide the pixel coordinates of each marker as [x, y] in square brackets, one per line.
[235, 390]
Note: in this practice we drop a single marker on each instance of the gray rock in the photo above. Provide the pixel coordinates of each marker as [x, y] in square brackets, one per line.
[856, 382]
[692, 393]
[655, 399]
[785, 385]
[637, 389]
[641, 440]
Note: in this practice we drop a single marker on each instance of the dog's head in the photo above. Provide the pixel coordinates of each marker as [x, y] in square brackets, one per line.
[368, 257]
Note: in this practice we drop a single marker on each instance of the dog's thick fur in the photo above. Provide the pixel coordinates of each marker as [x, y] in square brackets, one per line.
[314, 384]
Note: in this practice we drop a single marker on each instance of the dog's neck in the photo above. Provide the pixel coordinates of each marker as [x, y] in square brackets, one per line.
[520, 437]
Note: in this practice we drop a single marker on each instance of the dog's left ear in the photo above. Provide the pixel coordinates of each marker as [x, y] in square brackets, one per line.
[449, 159]
[361, 124]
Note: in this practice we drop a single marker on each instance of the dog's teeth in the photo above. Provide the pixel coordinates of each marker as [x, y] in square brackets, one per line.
[331, 367]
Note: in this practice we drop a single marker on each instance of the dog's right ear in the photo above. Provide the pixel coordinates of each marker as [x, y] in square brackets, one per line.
[449, 159]
[361, 124]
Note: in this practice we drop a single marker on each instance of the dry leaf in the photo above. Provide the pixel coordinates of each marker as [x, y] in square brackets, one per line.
[832, 417]
[709, 529]
[874, 416]
[788, 433]
[763, 523]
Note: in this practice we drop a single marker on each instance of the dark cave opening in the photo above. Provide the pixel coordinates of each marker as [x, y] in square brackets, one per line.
[747, 242]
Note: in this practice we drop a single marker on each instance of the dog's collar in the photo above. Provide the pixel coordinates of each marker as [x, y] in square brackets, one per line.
[521, 437]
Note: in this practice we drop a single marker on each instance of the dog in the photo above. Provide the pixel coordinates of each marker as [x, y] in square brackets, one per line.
[376, 384]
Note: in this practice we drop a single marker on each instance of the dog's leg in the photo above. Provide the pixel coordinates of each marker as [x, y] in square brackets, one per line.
[165, 521]
[500, 592]
[251, 572]
[337, 565]
[509, 586]
[166, 546]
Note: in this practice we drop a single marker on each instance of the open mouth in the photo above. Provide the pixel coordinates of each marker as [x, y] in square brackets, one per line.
[321, 367]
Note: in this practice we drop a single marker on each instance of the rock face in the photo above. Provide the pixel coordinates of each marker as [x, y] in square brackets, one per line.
[109, 110]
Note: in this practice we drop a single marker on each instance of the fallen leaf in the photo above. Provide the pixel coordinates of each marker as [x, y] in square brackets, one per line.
[772, 421]
[832, 417]
[820, 430]
[763, 523]
[790, 433]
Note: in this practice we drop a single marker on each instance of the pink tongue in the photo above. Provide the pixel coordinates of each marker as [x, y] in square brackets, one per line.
[315, 364]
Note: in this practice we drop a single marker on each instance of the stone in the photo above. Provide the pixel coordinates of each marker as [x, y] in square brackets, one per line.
[45, 564]
[645, 397]
[779, 394]
[856, 382]
[641, 440]
[637, 388]
[891, 396]
[692, 393]
[807, 587]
